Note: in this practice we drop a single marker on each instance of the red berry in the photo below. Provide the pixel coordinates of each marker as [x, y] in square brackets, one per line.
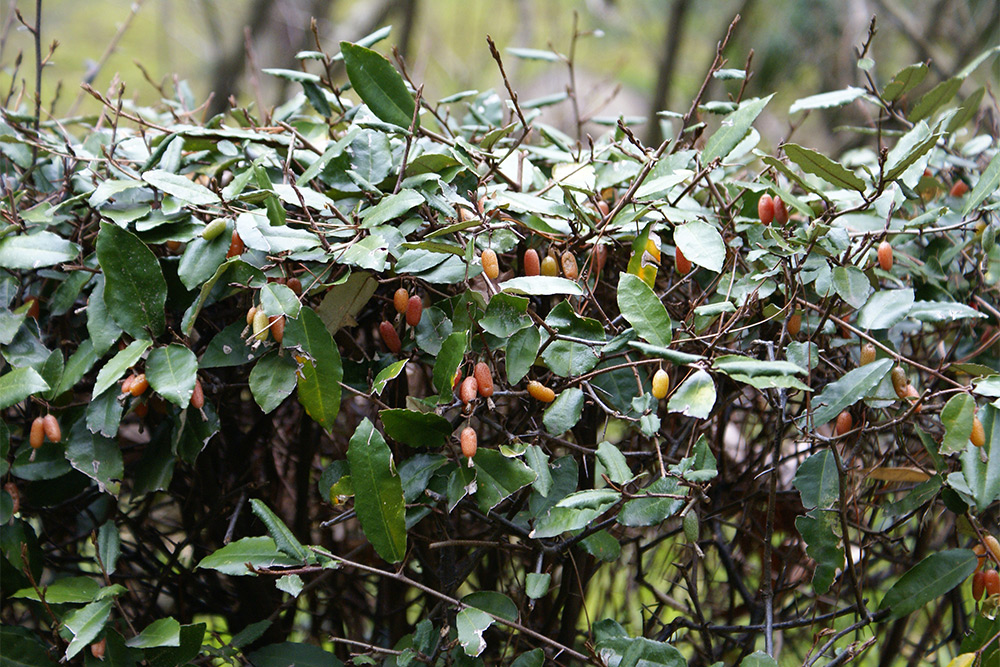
[885, 255]
[682, 263]
[390, 337]
[484, 379]
[414, 310]
[469, 442]
[765, 208]
[780, 211]
[532, 267]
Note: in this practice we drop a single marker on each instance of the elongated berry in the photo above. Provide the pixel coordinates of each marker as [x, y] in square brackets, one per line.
[260, 322]
[251, 313]
[37, 437]
[549, 266]
[197, 396]
[139, 385]
[845, 422]
[980, 551]
[236, 246]
[469, 441]
[294, 284]
[468, 390]
[993, 546]
[600, 256]
[491, 266]
[531, 264]
[765, 208]
[959, 189]
[213, 229]
[682, 263]
[899, 381]
[569, 266]
[991, 582]
[390, 337]
[885, 255]
[978, 435]
[414, 310]
[780, 211]
[98, 648]
[484, 379]
[867, 354]
[794, 324]
[127, 384]
[540, 392]
[661, 383]
[912, 393]
[15, 497]
[52, 430]
[34, 309]
[400, 300]
[978, 585]
[277, 326]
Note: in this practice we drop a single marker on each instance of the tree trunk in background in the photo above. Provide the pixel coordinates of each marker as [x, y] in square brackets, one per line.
[408, 8]
[229, 69]
[664, 78]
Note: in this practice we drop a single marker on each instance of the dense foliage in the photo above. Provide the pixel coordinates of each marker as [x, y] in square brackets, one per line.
[260, 451]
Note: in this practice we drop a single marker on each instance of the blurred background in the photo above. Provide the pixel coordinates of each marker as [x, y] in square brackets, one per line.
[633, 56]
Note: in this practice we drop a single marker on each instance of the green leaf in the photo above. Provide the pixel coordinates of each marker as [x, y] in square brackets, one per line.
[85, 624]
[498, 477]
[378, 85]
[471, 623]
[758, 659]
[910, 148]
[522, 350]
[818, 164]
[96, 456]
[614, 463]
[494, 603]
[291, 653]
[851, 285]
[19, 384]
[448, 360]
[190, 647]
[391, 207]
[68, 590]
[79, 364]
[538, 461]
[836, 98]
[760, 374]
[541, 286]
[904, 81]
[695, 397]
[885, 308]
[848, 390]
[935, 98]
[565, 411]
[956, 417]
[820, 529]
[109, 546]
[818, 481]
[642, 309]
[272, 380]
[734, 127]
[116, 367]
[417, 429]
[276, 528]
[928, 580]
[505, 315]
[983, 477]
[261, 552]
[171, 372]
[388, 373]
[537, 585]
[278, 299]
[103, 330]
[987, 185]
[702, 244]
[181, 187]
[378, 492]
[34, 251]
[201, 259]
[135, 291]
[321, 370]
[162, 632]
[942, 311]
[21, 648]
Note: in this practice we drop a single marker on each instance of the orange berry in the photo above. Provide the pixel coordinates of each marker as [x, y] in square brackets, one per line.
[993, 547]
[15, 497]
[682, 263]
[139, 385]
[294, 284]
[97, 648]
[531, 265]
[277, 323]
[600, 256]
[469, 389]
[911, 392]
[978, 585]
[174, 246]
[400, 300]
[127, 384]
[540, 392]
[991, 581]
[484, 379]
[469, 442]
[603, 208]
[959, 189]
[867, 354]
[390, 337]
[141, 409]
[491, 266]
[197, 396]
[52, 430]
[34, 309]
[414, 310]
[780, 211]
[37, 436]
[765, 208]
[980, 551]
[236, 246]
[844, 422]
[885, 255]
[794, 324]
[569, 267]
[251, 313]
[978, 435]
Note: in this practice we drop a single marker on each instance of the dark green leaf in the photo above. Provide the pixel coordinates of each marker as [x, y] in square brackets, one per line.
[135, 291]
[498, 477]
[904, 81]
[291, 653]
[378, 85]
[378, 492]
[272, 380]
[417, 429]
[643, 309]
[321, 370]
[819, 165]
[96, 456]
[34, 251]
[522, 350]
[171, 373]
[928, 580]
[279, 532]
[935, 98]
[734, 127]
[987, 185]
[818, 481]
[19, 384]
[565, 411]
[261, 552]
[848, 390]
[505, 315]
